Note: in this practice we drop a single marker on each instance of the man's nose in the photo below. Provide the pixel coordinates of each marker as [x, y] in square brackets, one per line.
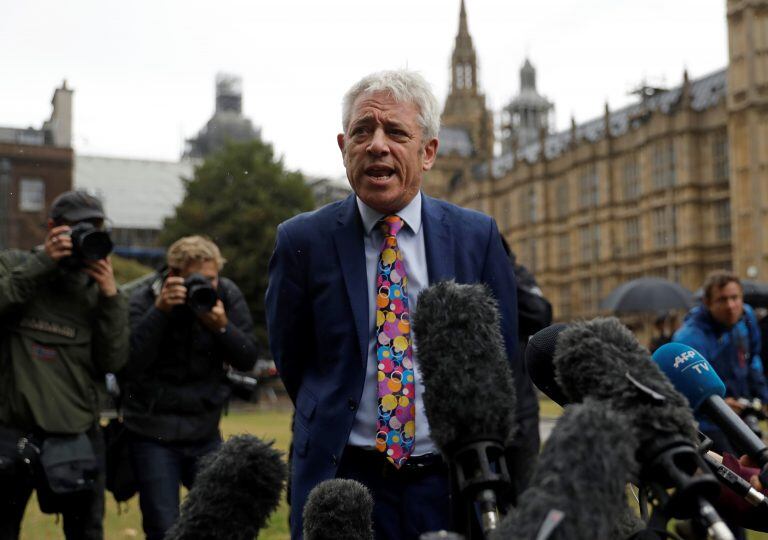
[378, 144]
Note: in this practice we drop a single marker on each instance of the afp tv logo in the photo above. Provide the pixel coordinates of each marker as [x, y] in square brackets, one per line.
[699, 366]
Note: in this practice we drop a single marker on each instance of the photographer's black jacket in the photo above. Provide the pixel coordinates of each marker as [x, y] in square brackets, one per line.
[174, 386]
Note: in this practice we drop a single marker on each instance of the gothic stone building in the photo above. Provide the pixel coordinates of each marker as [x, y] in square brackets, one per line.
[674, 185]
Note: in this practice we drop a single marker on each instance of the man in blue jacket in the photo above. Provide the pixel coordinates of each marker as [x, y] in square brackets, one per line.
[342, 282]
[725, 331]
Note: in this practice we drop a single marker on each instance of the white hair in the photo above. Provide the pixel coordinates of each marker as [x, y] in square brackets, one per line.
[405, 87]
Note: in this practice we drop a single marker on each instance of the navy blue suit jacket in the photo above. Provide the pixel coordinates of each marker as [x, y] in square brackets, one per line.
[318, 319]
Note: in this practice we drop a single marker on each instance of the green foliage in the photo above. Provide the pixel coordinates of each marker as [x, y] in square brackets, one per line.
[237, 197]
[127, 270]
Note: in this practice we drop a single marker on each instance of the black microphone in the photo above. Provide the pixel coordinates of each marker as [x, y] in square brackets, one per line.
[603, 359]
[539, 355]
[469, 396]
[578, 490]
[236, 489]
[338, 509]
[695, 378]
[734, 482]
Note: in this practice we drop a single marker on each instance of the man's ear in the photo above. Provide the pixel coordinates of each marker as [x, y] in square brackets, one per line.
[340, 142]
[430, 153]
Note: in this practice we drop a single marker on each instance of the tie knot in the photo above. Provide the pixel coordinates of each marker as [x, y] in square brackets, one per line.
[391, 225]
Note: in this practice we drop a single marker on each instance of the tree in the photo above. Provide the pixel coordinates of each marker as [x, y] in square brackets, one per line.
[237, 197]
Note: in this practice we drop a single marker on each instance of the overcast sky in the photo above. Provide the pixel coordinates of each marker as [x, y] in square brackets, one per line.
[143, 71]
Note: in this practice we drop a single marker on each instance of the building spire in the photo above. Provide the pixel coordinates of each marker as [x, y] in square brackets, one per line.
[463, 27]
[464, 59]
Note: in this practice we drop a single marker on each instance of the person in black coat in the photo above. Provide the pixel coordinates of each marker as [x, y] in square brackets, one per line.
[175, 383]
[534, 312]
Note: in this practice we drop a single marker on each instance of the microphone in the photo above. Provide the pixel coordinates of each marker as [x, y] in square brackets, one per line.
[695, 378]
[538, 358]
[602, 359]
[469, 395]
[736, 483]
[338, 509]
[236, 489]
[539, 355]
[578, 489]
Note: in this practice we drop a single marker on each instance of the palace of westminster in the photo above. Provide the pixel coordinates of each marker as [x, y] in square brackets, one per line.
[674, 185]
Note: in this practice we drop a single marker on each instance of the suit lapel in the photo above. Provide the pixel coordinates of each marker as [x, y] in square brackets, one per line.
[348, 239]
[438, 241]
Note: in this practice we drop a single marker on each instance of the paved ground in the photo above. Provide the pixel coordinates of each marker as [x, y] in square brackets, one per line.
[545, 427]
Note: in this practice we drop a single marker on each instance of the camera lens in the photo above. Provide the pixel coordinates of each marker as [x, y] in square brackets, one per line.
[90, 243]
[201, 296]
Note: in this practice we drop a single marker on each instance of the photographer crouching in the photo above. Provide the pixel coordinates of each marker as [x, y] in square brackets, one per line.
[186, 327]
[63, 326]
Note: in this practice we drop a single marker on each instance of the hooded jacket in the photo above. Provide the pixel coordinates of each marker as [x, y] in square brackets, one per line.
[58, 338]
[733, 352]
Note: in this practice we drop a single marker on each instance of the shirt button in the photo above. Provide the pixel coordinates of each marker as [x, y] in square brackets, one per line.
[352, 404]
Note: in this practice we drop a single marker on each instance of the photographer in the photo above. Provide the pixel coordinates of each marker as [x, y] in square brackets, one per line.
[186, 327]
[63, 325]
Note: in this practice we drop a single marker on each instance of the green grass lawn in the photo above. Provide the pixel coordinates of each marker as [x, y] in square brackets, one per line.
[264, 423]
[125, 523]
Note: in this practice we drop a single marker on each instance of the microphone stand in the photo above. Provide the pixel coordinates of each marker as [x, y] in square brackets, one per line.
[479, 474]
[677, 484]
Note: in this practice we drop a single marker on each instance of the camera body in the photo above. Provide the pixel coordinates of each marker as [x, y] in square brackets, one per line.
[752, 414]
[89, 243]
[201, 295]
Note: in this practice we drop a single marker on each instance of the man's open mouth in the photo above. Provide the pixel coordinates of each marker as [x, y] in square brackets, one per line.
[380, 172]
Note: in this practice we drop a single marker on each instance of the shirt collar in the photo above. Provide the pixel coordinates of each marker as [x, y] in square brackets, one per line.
[411, 214]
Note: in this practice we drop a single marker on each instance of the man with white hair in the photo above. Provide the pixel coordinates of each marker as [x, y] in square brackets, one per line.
[343, 281]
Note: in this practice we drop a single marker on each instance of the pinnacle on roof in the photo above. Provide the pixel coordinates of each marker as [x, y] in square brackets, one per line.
[527, 76]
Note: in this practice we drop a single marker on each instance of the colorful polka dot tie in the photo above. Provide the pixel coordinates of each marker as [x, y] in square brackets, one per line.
[396, 391]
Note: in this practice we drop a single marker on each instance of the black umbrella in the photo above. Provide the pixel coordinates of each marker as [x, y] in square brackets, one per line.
[648, 294]
[755, 293]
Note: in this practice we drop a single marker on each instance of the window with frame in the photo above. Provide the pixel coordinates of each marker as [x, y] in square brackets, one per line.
[723, 220]
[588, 296]
[664, 221]
[631, 179]
[590, 242]
[562, 198]
[531, 263]
[527, 205]
[463, 76]
[663, 172]
[589, 184]
[564, 250]
[532, 204]
[632, 236]
[31, 195]
[720, 164]
[564, 304]
[506, 213]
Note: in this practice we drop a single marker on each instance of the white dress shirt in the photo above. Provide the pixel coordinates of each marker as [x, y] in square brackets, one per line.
[410, 240]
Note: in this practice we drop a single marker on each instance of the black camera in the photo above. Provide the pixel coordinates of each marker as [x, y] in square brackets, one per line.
[201, 296]
[89, 243]
[752, 414]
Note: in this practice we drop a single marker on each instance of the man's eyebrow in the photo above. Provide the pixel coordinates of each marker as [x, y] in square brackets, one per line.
[365, 119]
[395, 124]
[369, 118]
